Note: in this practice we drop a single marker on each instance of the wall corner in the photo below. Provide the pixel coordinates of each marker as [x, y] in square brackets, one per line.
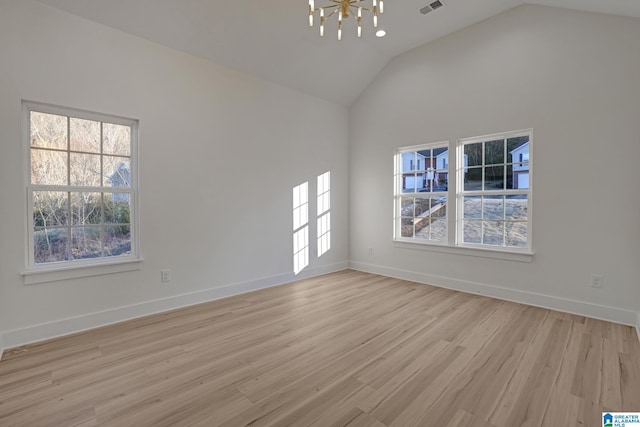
[1, 345]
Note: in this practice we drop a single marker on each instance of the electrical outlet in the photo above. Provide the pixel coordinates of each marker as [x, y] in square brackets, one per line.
[370, 251]
[165, 276]
[596, 280]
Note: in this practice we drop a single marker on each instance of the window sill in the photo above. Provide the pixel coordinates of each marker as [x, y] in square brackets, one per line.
[519, 256]
[55, 273]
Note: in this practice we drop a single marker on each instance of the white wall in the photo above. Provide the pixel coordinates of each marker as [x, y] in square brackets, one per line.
[575, 79]
[638, 322]
[210, 218]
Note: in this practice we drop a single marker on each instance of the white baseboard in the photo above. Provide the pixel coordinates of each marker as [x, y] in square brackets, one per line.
[612, 314]
[1, 345]
[35, 333]
[638, 324]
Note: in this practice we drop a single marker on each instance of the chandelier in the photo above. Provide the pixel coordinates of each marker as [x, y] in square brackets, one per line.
[343, 9]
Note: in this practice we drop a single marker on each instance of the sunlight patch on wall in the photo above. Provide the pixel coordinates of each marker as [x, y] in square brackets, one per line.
[300, 227]
[324, 213]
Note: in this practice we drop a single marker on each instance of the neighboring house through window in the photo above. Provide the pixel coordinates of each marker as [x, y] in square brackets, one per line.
[421, 195]
[491, 204]
[495, 197]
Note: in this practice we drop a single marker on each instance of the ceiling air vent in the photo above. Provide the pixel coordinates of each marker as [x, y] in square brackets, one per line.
[430, 7]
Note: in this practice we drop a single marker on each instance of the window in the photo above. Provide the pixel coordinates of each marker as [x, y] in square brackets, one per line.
[82, 187]
[421, 195]
[492, 195]
[495, 194]
[324, 214]
[300, 227]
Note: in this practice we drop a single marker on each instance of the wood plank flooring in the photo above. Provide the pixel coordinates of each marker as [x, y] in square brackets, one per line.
[345, 349]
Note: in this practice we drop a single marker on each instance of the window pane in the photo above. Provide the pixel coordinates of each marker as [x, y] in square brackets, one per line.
[431, 224]
[422, 206]
[493, 233]
[472, 231]
[472, 207]
[50, 208]
[517, 146]
[85, 135]
[494, 178]
[494, 152]
[509, 177]
[86, 242]
[48, 167]
[434, 180]
[423, 158]
[520, 176]
[516, 207]
[410, 183]
[473, 179]
[441, 180]
[117, 208]
[406, 229]
[408, 161]
[493, 207]
[86, 208]
[516, 234]
[85, 169]
[440, 158]
[473, 153]
[116, 139]
[117, 240]
[48, 130]
[50, 245]
[117, 172]
[406, 206]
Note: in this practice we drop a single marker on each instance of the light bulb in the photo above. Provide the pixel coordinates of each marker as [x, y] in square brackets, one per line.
[381, 6]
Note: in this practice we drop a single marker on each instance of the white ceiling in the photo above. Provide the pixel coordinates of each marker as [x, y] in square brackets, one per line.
[272, 39]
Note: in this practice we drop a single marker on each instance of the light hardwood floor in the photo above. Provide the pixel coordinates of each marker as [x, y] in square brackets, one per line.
[348, 348]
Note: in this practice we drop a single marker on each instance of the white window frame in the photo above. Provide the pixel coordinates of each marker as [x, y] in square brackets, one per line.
[455, 197]
[461, 193]
[398, 193]
[68, 269]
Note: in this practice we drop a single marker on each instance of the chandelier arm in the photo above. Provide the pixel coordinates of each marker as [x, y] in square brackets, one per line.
[333, 12]
[334, 7]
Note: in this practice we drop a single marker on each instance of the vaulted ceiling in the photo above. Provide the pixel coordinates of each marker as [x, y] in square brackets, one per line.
[272, 39]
